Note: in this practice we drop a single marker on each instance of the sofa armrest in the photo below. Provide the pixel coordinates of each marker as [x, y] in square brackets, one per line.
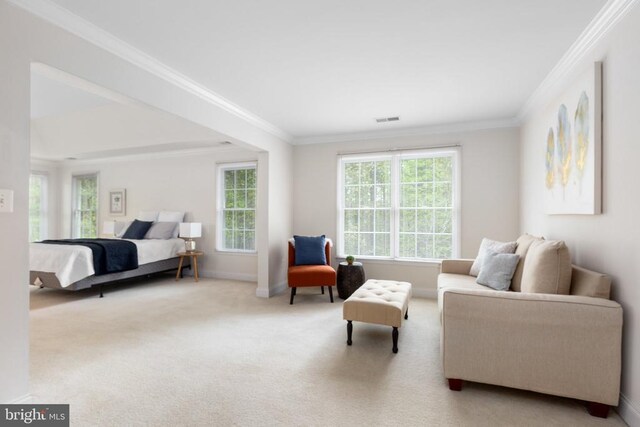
[563, 345]
[456, 266]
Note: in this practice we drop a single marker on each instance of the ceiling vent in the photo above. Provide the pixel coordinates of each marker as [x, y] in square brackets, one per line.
[387, 119]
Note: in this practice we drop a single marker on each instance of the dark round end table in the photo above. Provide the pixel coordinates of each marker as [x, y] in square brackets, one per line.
[350, 278]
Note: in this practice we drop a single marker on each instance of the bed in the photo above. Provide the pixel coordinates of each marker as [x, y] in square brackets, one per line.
[73, 265]
[70, 267]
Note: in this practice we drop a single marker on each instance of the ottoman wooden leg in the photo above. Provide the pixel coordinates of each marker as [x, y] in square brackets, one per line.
[349, 331]
[406, 314]
[330, 292]
[394, 334]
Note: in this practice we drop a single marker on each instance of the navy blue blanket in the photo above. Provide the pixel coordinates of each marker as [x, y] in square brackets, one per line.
[109, 255]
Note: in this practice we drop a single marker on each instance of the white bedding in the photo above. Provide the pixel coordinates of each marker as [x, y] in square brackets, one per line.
[71, 263]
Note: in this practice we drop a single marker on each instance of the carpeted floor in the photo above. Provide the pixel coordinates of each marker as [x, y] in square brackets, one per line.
[163, 353]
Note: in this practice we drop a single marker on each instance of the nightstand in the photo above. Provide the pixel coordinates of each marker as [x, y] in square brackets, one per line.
[194, 261]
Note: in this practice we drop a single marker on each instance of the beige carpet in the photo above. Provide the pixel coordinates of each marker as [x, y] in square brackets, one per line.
[163, 353]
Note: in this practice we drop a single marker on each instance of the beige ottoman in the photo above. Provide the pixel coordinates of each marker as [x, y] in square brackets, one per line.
[384, 302]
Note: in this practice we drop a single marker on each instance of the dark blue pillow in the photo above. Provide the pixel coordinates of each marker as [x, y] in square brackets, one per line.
[137, 229]
[310, 250]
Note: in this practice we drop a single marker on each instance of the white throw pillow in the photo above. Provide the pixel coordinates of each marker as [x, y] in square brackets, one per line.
[493, 246]
[147, 216]
[497, 270]
[169, 216]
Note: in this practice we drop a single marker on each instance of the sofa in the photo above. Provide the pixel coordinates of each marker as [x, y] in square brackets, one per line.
[560, 344]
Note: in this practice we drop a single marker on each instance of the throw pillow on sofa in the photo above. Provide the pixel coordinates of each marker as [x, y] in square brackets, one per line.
[493, 246]
[523, 244]
[497, 270]
[547, 268]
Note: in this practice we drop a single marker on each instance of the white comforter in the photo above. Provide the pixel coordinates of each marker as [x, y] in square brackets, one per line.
[71, 263]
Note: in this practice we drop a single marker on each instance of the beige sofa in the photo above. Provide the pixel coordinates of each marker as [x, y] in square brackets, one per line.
[564, 345]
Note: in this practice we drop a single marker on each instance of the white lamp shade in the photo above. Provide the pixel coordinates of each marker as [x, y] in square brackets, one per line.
[190, 229]
[109, 227]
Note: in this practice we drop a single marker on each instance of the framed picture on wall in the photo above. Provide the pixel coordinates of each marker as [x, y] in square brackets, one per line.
[118, 202]
[573, 147]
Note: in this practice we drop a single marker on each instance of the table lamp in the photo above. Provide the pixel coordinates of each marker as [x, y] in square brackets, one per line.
[109, 228]
[190, 230]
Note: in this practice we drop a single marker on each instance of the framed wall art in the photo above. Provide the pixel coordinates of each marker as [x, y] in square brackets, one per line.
[118, 202]
[573, 148]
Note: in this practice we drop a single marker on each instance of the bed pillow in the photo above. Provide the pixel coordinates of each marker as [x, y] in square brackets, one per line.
[169, 216]
[161, 230]
[137, 229]
[497, 270]
[493, 246]
[310, 250]
[120, 228]
[147, 216]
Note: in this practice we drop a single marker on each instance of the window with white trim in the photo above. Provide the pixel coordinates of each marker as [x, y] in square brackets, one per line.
[38, 193]
[236, 224]
[84, 219]
[403, 205]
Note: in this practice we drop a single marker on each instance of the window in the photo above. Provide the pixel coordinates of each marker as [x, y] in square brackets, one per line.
[84, 220]
[399, 206]
[236, 228]
[38, 206]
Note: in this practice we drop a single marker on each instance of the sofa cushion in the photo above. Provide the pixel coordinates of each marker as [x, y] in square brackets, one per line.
[547, 268]
[456, 281]
[522, 246]
[497, 270]
[493, 246]
[589, 283]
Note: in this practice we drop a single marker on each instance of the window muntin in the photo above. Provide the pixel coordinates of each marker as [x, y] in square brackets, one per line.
[399, 206]
[84, 222]
[38, 210]
[237, 207]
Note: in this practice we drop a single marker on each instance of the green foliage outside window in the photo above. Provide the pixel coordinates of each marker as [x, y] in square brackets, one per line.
[37, 203]
[421, 218]
[85, 221]
[239, 209]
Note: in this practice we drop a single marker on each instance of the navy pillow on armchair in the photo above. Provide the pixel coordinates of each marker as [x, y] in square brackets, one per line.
[310, 250]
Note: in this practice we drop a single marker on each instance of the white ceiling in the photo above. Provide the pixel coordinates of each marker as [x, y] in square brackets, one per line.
[326, 67]
[70, 118]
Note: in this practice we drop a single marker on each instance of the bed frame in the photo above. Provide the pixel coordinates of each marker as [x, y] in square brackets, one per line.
[49, 280]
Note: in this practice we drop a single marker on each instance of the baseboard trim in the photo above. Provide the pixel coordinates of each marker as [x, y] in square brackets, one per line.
[273, 291]
[425, 293]
[24, 399]
[226, 275]
[628, 411]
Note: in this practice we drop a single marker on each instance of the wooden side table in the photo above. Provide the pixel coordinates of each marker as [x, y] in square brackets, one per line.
[350, 277]
[194, 261]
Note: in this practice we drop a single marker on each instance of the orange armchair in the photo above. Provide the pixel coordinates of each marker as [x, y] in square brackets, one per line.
[310, 275]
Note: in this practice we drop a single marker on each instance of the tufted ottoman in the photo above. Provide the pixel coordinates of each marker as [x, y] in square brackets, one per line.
[384, 302]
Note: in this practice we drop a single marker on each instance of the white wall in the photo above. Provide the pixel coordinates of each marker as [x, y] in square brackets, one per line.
[607, 242]
[173, 183]
[490, 168]
[25, 39]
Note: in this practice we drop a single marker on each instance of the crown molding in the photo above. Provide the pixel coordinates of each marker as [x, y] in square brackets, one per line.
[395, 133]
[610, 14]
[135, 157]
[63, 18]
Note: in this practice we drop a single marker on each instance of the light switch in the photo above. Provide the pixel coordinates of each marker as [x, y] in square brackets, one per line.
[6, 200]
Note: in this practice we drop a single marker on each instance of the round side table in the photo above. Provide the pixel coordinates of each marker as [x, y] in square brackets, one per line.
[350, 278]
